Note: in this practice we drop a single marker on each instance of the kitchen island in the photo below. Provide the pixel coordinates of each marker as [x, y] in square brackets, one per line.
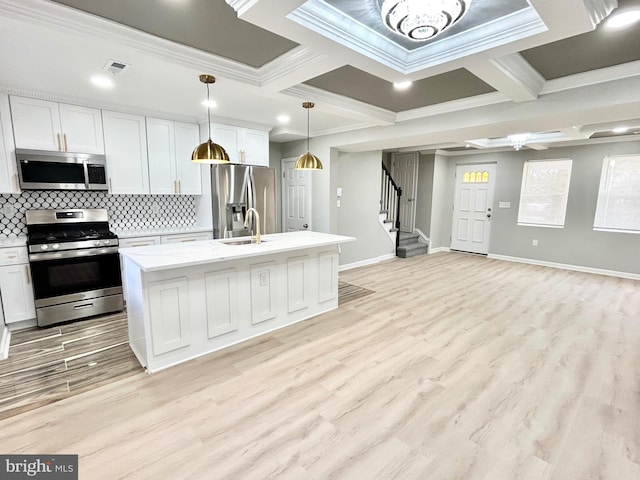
[185, 300]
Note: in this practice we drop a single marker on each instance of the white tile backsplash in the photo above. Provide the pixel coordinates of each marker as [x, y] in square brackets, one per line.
[129, 212]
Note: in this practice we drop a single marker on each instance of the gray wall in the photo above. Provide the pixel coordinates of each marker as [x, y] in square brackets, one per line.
[424, 196]
[442, 202]
[358, 174]
[275, 155]
[577, 243]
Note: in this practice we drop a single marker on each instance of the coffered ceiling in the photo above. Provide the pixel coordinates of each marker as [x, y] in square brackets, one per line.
[539, 66]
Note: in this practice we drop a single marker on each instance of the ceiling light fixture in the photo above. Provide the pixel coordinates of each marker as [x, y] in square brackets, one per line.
[623, 18]
[283, 118]
[420, 20]
[518, 140]
[101, 81]
[209, 152]
[308, 161]
[402, 85]
[620, 130]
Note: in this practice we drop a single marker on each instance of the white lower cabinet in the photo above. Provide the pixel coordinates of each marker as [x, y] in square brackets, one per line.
[264, 286]
[222, 300]
[15, 285]
[328, 277]
[298, 283]
[169, 307]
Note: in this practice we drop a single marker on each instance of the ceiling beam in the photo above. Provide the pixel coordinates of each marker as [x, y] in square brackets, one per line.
[511, 75]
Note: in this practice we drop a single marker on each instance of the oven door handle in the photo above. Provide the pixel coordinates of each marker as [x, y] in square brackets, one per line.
[86, 252]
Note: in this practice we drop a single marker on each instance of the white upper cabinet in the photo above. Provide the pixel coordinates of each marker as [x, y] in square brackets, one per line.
[244, 145]
[44, 125]
[8, 168]
[125, 141]
[170, 145]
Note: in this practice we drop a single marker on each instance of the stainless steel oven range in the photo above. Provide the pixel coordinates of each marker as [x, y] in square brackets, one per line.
[74, 262]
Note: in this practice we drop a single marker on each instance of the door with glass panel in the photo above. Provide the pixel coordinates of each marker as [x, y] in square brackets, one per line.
[473, 207]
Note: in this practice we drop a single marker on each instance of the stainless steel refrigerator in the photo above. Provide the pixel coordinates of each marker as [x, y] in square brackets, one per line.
[235, 189]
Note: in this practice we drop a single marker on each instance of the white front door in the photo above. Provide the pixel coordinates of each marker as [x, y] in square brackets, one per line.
[404, 170]
[473, 207]
[296, 197]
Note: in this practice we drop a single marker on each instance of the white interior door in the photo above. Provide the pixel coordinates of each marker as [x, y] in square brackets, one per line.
[404, 170]
[296, 197]
[473, 207]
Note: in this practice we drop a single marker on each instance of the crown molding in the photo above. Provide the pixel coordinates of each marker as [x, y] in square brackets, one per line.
[116, 107]
[598, 10]
[64, 18]
[593, 77]
[332, 23]
[296, 59]
[376, 116]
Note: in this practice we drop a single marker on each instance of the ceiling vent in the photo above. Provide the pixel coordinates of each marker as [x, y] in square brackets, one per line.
[115, 67]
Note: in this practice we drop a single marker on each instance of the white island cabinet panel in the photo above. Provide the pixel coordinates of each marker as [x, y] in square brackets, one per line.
[188, 299]
[298, 283]
[263, 292]
[169, 307]
[222, 300]
[327, 277]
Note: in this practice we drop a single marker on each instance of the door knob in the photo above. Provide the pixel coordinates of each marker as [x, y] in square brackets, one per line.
[488, 215]
[306, 225]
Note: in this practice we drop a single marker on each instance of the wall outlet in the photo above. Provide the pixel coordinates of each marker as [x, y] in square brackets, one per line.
[535, 242]
[338, 203]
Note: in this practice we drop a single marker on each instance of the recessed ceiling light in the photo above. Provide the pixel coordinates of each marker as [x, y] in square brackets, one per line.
[623, 18]
[401, 85]
[210, 103]
[102, 81]
[620, 130]
[284, 118]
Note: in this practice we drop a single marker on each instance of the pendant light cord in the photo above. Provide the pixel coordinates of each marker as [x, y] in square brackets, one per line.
[208, 112]
[308, 148]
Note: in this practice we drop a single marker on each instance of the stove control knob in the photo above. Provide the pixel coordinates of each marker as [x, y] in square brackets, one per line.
[44, 247]
[55, 246]
[96, 243]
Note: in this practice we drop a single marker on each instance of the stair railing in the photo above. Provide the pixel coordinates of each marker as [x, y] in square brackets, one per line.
[390, 194]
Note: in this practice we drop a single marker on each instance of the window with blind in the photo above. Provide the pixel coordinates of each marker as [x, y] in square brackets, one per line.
[544, 193]
[618, 207]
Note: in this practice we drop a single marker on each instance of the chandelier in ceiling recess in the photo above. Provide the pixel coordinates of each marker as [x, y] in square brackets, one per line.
[518, 140]
[422, 19]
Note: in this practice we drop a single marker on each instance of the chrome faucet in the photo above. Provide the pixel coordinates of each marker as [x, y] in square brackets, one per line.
[255, 225]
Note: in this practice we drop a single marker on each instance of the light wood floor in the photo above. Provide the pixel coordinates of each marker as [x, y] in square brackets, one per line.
[457, 367]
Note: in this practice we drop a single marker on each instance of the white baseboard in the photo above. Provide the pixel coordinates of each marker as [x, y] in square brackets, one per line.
[364, 263]
[439, 249]
[564, 266]
[423, 237]
[5, 338]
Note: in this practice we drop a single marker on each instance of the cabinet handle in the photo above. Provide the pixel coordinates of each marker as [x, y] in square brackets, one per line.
[175, 187]
[59, 142]
[16, 183]
[143, 244]
[66, 147]
[26, 268]
[179, 187]
[110, 186]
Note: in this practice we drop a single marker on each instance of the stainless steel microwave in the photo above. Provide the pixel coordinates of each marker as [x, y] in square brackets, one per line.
[42, 170]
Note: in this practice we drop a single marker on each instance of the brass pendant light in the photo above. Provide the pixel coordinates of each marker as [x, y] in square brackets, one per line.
[308, 161]
[209, 152]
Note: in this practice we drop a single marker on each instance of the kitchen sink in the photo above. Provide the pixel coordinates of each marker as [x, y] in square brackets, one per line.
[241, 242]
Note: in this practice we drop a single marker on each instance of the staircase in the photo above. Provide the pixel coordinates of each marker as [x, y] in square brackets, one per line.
[407, 244]
[410, 245]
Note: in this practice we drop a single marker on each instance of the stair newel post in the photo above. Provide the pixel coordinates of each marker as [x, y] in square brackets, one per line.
[399, 190]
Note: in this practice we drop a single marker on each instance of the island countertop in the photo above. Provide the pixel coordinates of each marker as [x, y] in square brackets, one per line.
[168, 256]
